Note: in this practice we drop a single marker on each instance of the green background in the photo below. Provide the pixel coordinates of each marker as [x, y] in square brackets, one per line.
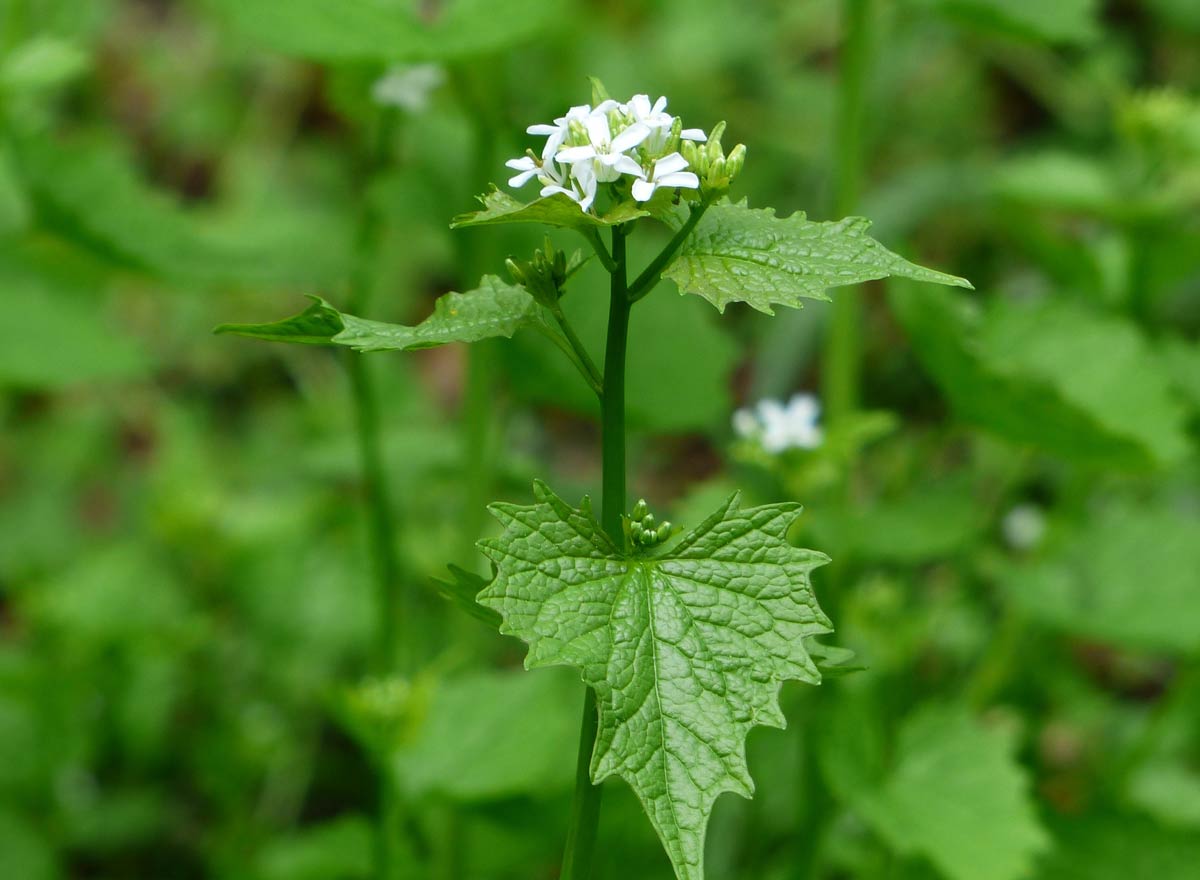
[187, 616]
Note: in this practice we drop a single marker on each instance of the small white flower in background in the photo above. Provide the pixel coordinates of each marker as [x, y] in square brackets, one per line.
[1024, 526]
[778, 427]
[602, 144]
[408, 86]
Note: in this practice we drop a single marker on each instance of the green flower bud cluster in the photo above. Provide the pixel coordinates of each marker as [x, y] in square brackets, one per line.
[545, 274]
[708, 160]
[643, 530]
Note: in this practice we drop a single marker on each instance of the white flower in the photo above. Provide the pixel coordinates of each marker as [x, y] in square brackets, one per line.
[552, 177]
[778, 427]
[659, 121]
[605, 152]
[593, 145]
[1024, 526]
[408, 86]
[667, 171]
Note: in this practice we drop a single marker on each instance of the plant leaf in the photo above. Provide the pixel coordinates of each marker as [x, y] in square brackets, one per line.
[741, 254]
[1076, 384]
[387, 30]
[957, 796]
[556, 210]
[686, 647]
[1101, 583]
[492, 309]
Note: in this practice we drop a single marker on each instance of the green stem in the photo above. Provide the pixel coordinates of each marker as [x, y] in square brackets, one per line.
[591, 372]
[585, 806]
[593, 238]
[843, 350]
[652, 274]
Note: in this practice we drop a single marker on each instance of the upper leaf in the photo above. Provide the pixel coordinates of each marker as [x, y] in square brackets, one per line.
[492, 309]
[556, 210]
[741, 254]
[685, 646]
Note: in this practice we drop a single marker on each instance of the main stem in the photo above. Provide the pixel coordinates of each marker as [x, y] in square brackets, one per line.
[843, 350]
[585, 807]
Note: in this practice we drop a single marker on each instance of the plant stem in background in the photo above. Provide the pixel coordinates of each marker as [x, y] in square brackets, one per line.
[393, 650]
[843, 347]
[391, 639]
[585, 806]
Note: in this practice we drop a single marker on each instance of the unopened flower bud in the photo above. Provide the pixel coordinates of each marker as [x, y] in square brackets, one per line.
[640, 509]
[636, 532]
[648, 522]
[514, 269]
[663, 531]
[735, 160]
[713, 147]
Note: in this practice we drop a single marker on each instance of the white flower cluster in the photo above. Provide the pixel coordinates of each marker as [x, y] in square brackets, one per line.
[778, 427]
[594, 145]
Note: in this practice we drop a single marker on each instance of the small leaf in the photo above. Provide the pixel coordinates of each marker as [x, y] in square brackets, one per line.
[741, 254]
[461, 589]
[957, 796]
[556, 210]
[492, 309]
[685, 646]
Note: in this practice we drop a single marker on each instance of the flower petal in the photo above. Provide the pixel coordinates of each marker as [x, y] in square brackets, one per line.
[598, 131]
[693, 134]
[669, 165]
[625, 164]
[643, 190]
[630, 137]
[522, 178]
[525, 163]
[542, 128]
[679, 178]
[576, 154]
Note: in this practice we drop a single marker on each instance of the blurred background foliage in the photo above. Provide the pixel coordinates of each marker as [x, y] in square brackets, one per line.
[186, 610]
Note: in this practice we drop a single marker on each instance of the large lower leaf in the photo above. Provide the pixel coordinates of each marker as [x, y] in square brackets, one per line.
[387, 30]
[685, 647]
[741, 254]
[492, 309]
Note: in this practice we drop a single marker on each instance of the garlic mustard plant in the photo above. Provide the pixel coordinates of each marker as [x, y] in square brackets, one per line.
[682, 636]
